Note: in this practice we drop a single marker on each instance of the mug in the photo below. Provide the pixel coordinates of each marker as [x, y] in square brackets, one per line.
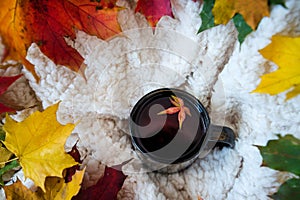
[170, 129]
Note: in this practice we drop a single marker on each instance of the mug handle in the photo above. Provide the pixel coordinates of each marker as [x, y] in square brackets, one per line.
[221, 136]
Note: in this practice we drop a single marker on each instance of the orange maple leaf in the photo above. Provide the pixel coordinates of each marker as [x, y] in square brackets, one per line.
[179, 108]
[48, 23]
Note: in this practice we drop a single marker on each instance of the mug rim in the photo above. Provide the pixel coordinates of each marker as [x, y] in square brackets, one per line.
[203, 115]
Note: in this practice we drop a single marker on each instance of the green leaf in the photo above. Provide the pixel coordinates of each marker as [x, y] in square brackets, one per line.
[207, 16]
[7, 168]
[242, 27]
[288, 190]
[276, 2]
[282, 154]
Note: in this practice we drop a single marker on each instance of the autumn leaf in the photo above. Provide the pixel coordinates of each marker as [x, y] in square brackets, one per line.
[5, 82]
[246, 14]
[107, 187]
[252, 11]
[38, 143]
[207, 16]
[179, 108]
[19, 191]
[283, 51]
[208, 21]
[283, 154]
[56, 189]
[153, 10]
[288, 190]
[242, 27]
[48, 23]
[69, 172]
[4, 155]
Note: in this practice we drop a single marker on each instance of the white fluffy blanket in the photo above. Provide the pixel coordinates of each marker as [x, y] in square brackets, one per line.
[211, 65]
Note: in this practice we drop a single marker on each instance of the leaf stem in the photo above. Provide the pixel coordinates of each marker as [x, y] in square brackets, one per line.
[3, 163]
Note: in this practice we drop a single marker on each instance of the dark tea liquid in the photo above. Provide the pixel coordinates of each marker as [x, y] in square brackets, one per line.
[159, 135]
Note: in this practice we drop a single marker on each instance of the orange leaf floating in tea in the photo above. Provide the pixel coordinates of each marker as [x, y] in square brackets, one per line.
[178, 108]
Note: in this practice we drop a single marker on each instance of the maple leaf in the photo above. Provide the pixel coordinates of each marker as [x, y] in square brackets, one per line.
[56, 189]
[208, 21]
[246, 14]
[179, 108]
[4, 155]
[288, 190]
[48, 23]
[5, 82]
[283, 154]
[242, 27]
[283, 51]
[252, 11]
[38, 143]
[19, 191]
[72, 170]
[107, 187]
[207, 16]
[153, 10]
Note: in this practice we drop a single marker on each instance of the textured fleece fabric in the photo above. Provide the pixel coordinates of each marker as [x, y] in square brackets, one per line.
[211, 65]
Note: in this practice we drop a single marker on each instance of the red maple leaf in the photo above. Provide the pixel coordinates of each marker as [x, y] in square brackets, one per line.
[5, 82]
[107, 187]
[153, 10]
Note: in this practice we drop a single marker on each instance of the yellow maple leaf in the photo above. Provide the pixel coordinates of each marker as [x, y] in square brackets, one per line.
[283, 51]
[38, 142]
[56, 189]
[252, 11]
